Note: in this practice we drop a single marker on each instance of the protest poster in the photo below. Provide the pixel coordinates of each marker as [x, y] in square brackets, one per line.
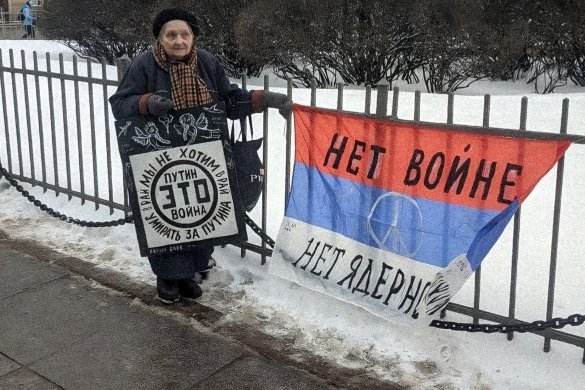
[181, 179]
[394, 216]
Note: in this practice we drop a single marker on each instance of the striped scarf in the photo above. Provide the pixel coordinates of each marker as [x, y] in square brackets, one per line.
[187, 89]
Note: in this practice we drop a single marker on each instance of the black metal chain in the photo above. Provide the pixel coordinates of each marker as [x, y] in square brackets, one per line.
[555, 323]
[129, 219]
[258, 230]
[13, 182]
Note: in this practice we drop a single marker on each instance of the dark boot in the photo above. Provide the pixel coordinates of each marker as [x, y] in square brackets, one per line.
[188, 288]
[168, 290]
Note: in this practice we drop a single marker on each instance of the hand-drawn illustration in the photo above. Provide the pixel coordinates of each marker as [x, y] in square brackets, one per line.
[150, 137]
[166, 121]
[438, 296]
[213, 109]
[342, 213]
[470, 225]
[190, 128]
[446, 283]
[403, 224]
[124, 129]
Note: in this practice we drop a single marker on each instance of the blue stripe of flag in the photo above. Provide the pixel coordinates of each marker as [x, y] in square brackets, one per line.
[424, 230]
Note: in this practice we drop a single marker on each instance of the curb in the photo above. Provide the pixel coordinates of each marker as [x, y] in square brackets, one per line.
[272, 348]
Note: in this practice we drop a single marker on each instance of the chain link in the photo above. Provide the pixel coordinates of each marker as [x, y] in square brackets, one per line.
[14, 183]
[258, 230]
[555, 323]
[129, 219]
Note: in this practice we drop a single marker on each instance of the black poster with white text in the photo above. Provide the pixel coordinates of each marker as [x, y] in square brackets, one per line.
[181, 180]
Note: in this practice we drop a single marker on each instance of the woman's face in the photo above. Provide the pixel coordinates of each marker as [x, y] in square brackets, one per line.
[176, 38]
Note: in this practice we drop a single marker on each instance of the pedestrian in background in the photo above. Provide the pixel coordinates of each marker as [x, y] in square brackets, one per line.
[176, 74]
[28, 20]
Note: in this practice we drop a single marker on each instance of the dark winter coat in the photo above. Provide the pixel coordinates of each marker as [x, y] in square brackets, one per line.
[145, 76]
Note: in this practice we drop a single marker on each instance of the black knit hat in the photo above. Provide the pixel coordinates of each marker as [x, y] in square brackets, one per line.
[172, 14]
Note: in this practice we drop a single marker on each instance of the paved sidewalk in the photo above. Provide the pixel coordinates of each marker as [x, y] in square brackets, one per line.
[59, 331]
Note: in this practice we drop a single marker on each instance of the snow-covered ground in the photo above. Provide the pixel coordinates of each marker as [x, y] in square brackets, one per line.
[337, 331]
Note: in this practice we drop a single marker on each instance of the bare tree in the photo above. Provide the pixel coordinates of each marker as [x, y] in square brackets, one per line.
[290, 39]
[452, 47]
[330, 41]
[359, 42]
[100, 28]
[577, 71]
[576, 23]
[551, 38]
[368, 41]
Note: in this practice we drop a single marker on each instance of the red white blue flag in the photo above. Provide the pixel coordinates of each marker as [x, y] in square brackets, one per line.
[395, 216]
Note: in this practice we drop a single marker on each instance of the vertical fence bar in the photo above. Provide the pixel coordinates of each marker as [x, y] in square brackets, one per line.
[92, 127]
[556, 224]
[486, 110]
[40, 120]
[339, 97]
[313, 93]
[52, 115]
[516, 233]
[27, 114]
[477, 284]
[5, 114]
[78, 124]
[108, 135]
[65, 125]
[450, 107]
[122, 65]
[368, 99]
[395, 94]
[16, 113]
[265, 161]
[288, 147]
[243, 127]
[417, 96]
[382, 99]
[523, 113]
[477, 281]
[244, 124]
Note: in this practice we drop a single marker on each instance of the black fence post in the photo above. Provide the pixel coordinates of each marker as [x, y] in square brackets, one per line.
[122, 63]
[382, 99]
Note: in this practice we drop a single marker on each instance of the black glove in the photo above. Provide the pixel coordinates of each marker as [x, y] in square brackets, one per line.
[159, 105]
[276, 100]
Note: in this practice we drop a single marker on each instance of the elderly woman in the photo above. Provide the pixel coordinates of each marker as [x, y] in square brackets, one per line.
[178, 75]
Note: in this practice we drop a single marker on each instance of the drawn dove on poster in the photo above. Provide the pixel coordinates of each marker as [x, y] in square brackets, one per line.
[150, 137]
[190, 128]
